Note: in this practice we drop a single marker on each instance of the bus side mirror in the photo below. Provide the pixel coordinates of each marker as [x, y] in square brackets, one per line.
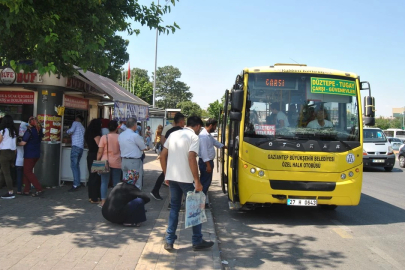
[369, 111]
[235, 116]
[237, 101]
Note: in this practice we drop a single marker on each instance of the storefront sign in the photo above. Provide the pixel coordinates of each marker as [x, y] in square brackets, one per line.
[10, 97]
[51, 125]
[123, 111]
[7, 76]
[82, 86]
[76, 103]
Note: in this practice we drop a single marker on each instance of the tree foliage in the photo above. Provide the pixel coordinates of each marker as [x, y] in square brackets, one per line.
[189, 108]
[214, 109]
[55, 36]
[169, 90]
[385, 123]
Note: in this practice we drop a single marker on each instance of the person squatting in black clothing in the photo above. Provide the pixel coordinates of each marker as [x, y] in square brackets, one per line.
[179, 123]
[126, 205]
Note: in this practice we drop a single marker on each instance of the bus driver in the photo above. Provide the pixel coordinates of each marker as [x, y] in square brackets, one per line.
[320, 121]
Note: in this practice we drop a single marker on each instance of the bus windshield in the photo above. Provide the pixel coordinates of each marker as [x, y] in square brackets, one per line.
[301, 106]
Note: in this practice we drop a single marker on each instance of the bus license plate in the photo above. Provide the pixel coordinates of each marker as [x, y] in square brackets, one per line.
[301, 202]
[378, 160]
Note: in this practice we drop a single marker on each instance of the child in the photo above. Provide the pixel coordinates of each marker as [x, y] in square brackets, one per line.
[20, 158]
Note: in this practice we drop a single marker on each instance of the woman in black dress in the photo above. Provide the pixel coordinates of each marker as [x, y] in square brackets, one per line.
[92, 137]
[126, 204]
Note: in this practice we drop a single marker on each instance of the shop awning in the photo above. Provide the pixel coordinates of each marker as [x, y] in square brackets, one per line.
[126, 104]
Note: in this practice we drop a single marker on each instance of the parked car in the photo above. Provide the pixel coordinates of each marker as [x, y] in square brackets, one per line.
[401, 157]
[395, 143]
[377, 150]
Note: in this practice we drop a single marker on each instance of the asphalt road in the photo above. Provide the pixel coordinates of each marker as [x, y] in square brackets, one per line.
[368, 236]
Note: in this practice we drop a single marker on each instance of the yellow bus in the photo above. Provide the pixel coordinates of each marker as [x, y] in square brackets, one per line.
[294, 136]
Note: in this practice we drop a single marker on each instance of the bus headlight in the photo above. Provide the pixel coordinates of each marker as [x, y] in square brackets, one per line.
[343, 176]
[261, 173]
[351, 174]
[252, 170]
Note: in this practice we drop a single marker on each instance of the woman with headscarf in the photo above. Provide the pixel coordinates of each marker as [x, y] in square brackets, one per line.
[8, 146]
[92, 137]
[126, 203]
[32, 150]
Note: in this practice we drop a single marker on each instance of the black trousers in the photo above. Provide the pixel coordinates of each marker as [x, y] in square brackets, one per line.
[159, 182]
[94, 183]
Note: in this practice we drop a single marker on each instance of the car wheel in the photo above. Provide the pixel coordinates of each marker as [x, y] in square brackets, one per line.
[328, 207]
[388, 169]
[402, 161]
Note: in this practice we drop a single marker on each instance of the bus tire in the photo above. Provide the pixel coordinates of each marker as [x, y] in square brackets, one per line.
[329, 207]
[388, 169]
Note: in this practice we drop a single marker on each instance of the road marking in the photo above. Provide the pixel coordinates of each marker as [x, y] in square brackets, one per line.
[386, 257]
[342, 233]
[342, 230]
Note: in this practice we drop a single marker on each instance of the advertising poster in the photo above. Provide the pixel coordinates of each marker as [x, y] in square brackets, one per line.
[51, 125]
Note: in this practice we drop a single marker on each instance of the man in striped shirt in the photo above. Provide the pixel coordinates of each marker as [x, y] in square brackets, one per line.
[77, 133]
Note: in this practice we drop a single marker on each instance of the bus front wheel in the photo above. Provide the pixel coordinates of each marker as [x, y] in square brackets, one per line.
[328, 207]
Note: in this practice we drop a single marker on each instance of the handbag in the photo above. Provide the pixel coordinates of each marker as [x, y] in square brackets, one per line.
[101, 166]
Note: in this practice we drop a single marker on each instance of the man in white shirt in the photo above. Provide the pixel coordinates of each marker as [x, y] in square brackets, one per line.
[320, 121]
[132, 146]
[207, 154]
[179, 164]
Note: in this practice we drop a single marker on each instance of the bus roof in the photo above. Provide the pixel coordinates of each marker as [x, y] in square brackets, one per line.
[299, 68]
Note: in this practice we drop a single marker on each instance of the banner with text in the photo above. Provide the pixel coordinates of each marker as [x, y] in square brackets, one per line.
[123, 111]
[11, 97]
[76, 103]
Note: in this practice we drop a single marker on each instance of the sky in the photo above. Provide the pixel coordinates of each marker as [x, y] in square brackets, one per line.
[219, 38]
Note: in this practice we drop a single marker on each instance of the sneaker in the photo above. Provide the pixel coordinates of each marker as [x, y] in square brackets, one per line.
[169, 206]
[168, 246]
[156, 196]
[203, 245]
[72, 189]
[8, 196]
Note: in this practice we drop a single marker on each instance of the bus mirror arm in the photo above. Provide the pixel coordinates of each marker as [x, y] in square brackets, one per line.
[369, 105]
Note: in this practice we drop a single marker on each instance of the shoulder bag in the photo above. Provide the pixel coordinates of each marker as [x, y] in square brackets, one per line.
[101, 166]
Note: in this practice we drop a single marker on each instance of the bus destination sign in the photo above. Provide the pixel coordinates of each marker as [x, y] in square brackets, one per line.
[333, 86]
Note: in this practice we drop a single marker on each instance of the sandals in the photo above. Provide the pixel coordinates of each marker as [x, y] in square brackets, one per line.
[38, 194]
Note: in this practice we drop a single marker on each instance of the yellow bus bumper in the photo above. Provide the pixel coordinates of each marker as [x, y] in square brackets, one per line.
[255, 189]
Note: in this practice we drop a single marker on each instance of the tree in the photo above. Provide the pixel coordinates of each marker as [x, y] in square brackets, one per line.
[55, 36]
[214, 109]
[169, 89]
[382, 123]
[189, 108]
[141, 84]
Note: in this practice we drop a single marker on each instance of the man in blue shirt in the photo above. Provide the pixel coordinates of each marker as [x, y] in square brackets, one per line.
[207, 154]
[132, 146]
[77, 133]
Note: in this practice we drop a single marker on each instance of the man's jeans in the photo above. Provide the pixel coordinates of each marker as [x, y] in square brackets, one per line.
[205, 178]
[75, 156]
[176, 191]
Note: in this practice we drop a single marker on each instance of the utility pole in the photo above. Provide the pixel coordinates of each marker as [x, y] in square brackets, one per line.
[154, 80]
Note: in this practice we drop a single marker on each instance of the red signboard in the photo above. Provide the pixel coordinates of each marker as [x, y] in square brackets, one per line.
[76, 103]
[10, 97]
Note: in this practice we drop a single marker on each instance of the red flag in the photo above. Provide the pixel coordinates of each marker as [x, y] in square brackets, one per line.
[129, 72]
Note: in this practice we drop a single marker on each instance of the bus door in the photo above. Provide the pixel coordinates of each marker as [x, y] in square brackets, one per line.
[222, 132]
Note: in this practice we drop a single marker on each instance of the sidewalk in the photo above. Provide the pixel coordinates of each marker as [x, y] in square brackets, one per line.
[64, 231]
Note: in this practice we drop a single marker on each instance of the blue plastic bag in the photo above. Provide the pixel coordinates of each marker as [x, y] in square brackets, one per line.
[195, 209]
